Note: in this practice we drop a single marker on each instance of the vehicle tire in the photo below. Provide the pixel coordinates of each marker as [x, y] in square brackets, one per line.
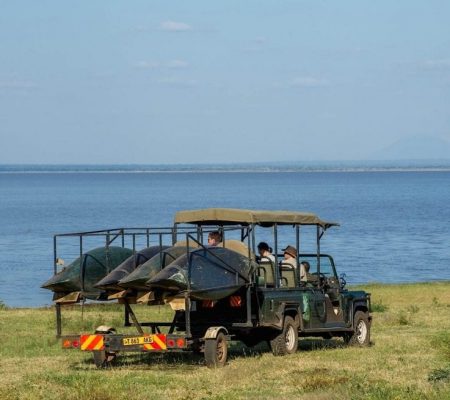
[286, 342]
[216, 351]
[102, 358]
[361, 335]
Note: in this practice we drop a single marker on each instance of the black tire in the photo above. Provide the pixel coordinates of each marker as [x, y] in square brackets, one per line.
[102, 358]
[361, 334]
[286, 341]
[216, 351]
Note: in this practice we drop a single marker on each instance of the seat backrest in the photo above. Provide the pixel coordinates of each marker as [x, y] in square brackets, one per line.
[288, 276]
[311, 279]
[266, 269]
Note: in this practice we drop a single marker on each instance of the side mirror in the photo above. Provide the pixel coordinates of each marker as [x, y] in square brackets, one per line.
[342, 280]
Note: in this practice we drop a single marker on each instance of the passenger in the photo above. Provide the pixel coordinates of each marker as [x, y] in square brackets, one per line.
[214, 238]
[304, 271]
[265, 251]
[290, 256]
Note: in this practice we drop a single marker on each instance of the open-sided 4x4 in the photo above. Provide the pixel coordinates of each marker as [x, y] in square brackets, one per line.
[270, 302]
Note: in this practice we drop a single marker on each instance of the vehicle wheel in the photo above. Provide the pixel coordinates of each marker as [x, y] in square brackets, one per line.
[361, 335]
[102, 358]
[286, 342]
[216, 351]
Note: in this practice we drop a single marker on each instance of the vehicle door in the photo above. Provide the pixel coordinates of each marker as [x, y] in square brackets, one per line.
[314, 301]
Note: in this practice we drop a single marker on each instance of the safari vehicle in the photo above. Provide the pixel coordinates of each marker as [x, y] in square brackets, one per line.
[226, 293]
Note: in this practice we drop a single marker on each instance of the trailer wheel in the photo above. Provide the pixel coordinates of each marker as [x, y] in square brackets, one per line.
[102, 358]
[286, 341]
[216, 351]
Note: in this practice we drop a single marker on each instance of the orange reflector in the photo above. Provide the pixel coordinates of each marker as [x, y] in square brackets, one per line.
[92, 342]
[235, 301]
[67, 343]
[180, 343]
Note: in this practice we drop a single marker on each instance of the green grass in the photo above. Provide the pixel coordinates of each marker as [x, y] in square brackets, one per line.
[409, 358]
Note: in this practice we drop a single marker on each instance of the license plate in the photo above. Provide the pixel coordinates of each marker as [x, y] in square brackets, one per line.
[133, 341]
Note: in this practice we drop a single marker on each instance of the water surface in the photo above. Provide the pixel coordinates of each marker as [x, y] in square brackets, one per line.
[394, 225]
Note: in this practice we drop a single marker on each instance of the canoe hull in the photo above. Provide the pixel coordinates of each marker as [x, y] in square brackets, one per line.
[215, 273]
[110, 281]
[95, 263]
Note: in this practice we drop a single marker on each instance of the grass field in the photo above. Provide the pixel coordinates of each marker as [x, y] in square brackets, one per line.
[409, 358]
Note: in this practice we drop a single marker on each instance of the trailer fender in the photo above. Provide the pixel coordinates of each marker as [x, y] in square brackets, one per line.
[213, 331]
[105, 329]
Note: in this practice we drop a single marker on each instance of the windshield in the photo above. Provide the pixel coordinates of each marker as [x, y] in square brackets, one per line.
[326, 264]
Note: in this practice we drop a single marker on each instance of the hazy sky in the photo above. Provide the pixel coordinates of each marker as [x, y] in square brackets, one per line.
[208, 81]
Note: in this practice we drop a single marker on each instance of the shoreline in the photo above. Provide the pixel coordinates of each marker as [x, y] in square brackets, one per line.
[5, 307]
[226, 171]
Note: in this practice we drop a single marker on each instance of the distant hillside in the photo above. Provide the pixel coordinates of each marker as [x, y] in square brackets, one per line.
[415, 148]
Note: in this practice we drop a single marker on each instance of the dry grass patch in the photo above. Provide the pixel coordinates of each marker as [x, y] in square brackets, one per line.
[410, 358]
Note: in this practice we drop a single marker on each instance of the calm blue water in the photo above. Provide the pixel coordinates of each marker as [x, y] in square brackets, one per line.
[394, 225]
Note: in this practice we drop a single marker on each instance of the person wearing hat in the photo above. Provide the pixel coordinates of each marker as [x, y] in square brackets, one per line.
[290, 256]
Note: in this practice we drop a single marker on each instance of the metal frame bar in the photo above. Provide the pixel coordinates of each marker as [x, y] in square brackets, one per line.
[173, 231]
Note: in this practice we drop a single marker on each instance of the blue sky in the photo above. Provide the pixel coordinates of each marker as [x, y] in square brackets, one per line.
[235, 81]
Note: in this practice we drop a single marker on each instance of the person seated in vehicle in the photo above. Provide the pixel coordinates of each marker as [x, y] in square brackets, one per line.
[214, 238]
[265, 252]
[290, 257]
[305, 275]
[304, 271]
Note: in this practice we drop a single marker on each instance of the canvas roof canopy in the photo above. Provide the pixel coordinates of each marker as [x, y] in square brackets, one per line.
[235, 216]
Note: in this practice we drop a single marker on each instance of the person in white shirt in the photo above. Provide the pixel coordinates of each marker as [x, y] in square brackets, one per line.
[265, 251]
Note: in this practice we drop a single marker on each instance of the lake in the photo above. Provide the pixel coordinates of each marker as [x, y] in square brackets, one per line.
[394, 225]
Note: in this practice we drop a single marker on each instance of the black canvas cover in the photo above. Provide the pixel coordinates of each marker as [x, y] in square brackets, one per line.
[95, 263]
[110, 281]
[215, 273]
[138, 278]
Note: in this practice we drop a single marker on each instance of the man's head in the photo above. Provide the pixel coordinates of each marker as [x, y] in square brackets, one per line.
[214, 238]
[290, 252]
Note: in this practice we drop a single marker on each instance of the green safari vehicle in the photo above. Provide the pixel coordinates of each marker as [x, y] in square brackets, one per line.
[228, 293]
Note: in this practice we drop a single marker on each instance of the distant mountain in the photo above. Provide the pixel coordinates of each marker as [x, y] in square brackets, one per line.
[415, 148]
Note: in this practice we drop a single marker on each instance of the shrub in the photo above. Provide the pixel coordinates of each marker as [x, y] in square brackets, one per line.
[379, 307]
[413, 309]
[441, 374]
[403, 318]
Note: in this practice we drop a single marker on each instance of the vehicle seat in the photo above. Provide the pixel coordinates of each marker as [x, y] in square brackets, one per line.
[288, 278]
[311, 279]
[266, 269]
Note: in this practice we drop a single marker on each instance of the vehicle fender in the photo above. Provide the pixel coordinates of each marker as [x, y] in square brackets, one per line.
[213, 331]
[293, 311]
[360, 305]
